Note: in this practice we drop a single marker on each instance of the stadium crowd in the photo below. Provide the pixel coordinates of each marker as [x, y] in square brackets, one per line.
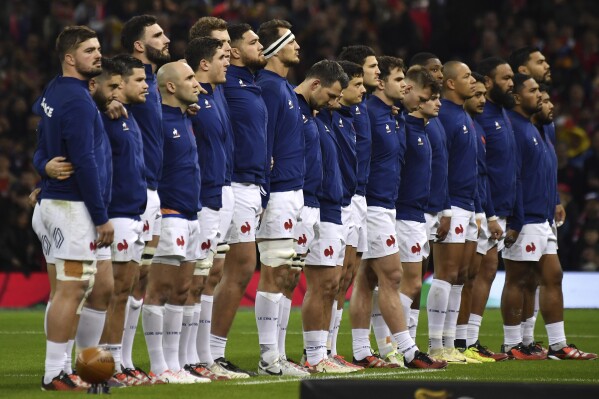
[567, 33]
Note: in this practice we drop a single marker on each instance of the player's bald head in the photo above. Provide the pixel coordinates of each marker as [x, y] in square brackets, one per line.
[451, 69]
[172, 72]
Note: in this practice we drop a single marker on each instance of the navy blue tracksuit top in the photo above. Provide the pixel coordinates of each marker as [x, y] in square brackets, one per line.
[149, 118]
[484, 189]
[388, 142]
[501, 157]
[439, 196]
[211, 136]
[363, 144]
[343, 126]
[249, 118]
[285, 140]
[532, 174]
[223, 108]
[331, 193]
[414, 188]
[129, 189]
[461, 147]
[313, 156]
[548, 133]
[72, 127]
[179, 188]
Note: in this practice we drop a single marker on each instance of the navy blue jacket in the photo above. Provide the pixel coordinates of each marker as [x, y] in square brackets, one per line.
[129, 189]
[484, 189]
[249, 118]
[548, 133]
[285, 141]
[225, 117]
[439, 196]
[72, 127]
[461, 147]
[532, 174]
[345, 133]
[179, 188]
[388, 142]
[501, 157]
[331, 193]
[313, 156]
[211, 136]
[149, 119]
[414, 188]
[363, 144]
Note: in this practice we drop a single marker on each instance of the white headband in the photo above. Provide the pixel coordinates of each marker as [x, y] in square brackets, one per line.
[276, 46]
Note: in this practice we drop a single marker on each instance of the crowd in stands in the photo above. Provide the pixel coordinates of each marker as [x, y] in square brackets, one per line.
[567, 32]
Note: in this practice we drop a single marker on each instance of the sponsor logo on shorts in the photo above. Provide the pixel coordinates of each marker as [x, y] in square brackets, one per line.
[288, 225]
[391, 241]
[58, 237]
[122, 246]
[328, 252]
[416, 248]
[205, 245]
[180, 241]
[46, 245]
[459, 230]
[531, 247]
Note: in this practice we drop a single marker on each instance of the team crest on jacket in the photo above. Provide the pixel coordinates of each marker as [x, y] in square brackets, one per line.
[241, 83]
[534, 139]
[420, 142]
[125, 127]
[396, 125]
[387, 128]
[207, 104]
[465, 129]
[358, 110]
[290, 104]
[340, 123]
[497, 126]
[304, 118]
[176, 134]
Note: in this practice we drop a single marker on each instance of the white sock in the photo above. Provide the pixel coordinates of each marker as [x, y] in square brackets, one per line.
[405, 345]
[217, 346]
[185, 334]
[512, 336]
[380, 328]
[192, 349]
[54, 363]
[131, 321]
[203, 337]
[173, 318]
[284, 311]
[46, 318]
[338, 317]
[323, 344]
[267, 313]
[556, 335]
[528, 328]
[361, 343]
[89, 331]
[68, 360]
[312, 343]
[406, 304]
[152, 319]
[474, 323]
[413, 325]
[536, 308]
[451, 317]
[115, 351]
[461, 332]
[332, 325]
[436, 307]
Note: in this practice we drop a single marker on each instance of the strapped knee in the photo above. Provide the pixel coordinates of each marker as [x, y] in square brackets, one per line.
[277, 253]
[147, 255]
[221, 250]
[203, 265]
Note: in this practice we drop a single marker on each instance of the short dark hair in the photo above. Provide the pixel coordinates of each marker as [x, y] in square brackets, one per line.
[519, 79]
[328, 72]
[521, 56]
[544, 87]
[128, 63]
[421, 58]
[205, 25]
[487, 66]
[479, 77]
[387, 64]
[71, 37]
[110, 67]
[423, 78]
[352, 69]
[134, 29]
[269, 31]
[201, 48]
[236, 31]
[357, 54]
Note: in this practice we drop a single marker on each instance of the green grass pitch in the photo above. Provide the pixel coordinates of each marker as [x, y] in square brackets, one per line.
[22, 349]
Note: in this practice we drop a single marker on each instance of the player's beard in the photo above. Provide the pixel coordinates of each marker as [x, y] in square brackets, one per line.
[157, 57]
[255, 64]
[90, 73]
[506, 100]
[100, 100]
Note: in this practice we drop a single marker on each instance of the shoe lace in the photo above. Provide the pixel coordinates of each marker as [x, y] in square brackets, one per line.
[423, 357]
[65, 379]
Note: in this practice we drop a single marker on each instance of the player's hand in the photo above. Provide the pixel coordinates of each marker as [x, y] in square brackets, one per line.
[105, 234]
[510, 237]
[478, 223]
[394, 110]
[560, 215]
[193, 109]
[495, 229]
[115, 110]
[33, 197]
[443, 229]
[59, 168]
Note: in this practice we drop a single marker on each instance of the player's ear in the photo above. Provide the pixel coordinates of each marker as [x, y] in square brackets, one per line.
[315, 84]
[139, 47]
[235, 54]
[488, 83]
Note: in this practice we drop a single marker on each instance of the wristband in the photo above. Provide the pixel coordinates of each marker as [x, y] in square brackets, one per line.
[479, 216]
[447, 213]
[492, 218]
